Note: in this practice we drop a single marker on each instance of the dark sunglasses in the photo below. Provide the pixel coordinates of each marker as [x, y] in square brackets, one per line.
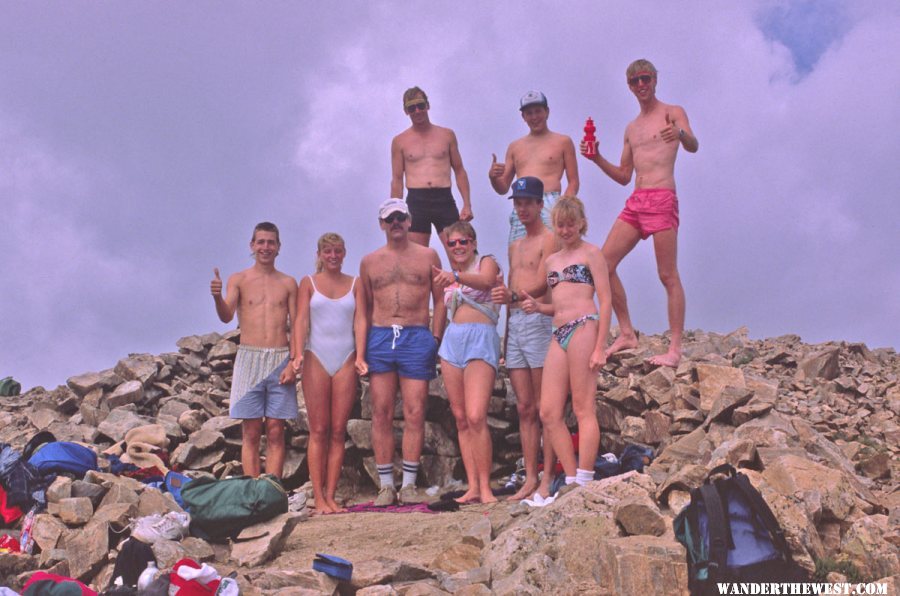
[461, 242]
[645, 79]
[401, 217]
[415, 107]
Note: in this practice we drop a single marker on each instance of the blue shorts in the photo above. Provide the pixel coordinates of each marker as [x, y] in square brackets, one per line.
[408, 351]
[464, 342]
[255, 390]
[529, 339]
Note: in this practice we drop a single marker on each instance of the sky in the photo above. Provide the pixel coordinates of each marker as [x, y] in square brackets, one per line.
[141, 142]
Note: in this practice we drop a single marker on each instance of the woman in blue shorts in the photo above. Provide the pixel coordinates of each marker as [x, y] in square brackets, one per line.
[575, 274]
[330, 315]
[470, 352]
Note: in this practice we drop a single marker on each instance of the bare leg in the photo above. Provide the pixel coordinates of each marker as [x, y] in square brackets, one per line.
[549, 454]
[665, 244]
[251, 432]
[275, 449]
[479, 380]
[383, 387]
[423, 238]
[553, 404]
[621, 240]
[584, 391]
[317, 391]
[343, 395]
[414, 392]
[454, 382]
[529, 427]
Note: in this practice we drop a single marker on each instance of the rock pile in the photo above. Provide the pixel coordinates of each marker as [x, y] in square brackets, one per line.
[815, 427]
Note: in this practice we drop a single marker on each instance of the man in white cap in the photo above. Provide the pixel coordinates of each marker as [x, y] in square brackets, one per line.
[400, 348]
[541, 153]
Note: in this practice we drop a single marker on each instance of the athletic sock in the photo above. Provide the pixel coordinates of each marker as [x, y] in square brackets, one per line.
[570, 479]
[582, 477]
[410, 471]
[385, 474]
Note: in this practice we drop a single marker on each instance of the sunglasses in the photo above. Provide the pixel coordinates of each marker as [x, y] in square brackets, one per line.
[401, 217]
[416, 107]
[645, 79]
[461, 242]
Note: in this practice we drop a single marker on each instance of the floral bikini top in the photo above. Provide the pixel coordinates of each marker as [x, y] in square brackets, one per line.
[576, 274]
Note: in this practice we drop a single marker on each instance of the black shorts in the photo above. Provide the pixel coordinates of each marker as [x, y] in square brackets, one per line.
[431, 206]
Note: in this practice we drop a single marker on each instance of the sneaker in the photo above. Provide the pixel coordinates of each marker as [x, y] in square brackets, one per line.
[409, 495]
[153, 528]
[386, 496]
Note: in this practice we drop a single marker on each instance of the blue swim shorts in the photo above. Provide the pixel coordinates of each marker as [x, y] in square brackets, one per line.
[255, 390]
[529, 339]
[464, 342]
[408, 351]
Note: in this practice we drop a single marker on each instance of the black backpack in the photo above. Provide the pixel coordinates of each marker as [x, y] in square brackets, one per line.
[731, 535]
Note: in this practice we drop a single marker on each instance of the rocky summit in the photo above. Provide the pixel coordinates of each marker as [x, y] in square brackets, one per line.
[815, 427]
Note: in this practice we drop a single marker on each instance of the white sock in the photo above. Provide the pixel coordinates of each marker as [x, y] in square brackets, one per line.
[582, 477]
[385, 474]
[410, 471]
[570, 479]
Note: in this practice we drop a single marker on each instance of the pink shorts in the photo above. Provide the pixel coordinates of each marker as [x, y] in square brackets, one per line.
[651, 210]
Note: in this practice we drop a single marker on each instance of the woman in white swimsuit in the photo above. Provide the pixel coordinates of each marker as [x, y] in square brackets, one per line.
[329, 341]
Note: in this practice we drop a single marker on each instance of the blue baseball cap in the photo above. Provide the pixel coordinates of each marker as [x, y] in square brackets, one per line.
[527, 187]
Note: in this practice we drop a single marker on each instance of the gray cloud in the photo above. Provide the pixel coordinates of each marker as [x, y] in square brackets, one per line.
[138, 146]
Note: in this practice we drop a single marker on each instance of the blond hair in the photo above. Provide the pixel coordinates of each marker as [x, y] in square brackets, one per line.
[570, 207]
[640, 65]
[327, 238]
[461, 227]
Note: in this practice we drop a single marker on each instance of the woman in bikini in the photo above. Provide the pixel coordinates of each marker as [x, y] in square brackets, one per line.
[470, 352]
[577, 351]
[329, 344]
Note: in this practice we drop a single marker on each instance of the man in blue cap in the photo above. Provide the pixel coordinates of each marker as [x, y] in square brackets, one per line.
[528, 336]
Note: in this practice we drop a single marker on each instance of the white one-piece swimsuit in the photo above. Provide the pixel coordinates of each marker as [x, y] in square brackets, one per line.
[331, 328]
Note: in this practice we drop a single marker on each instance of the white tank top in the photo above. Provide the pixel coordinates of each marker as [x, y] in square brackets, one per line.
[331, 327]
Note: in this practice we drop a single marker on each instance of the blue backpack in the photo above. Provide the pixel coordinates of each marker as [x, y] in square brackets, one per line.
[49, 456]
[731, 535]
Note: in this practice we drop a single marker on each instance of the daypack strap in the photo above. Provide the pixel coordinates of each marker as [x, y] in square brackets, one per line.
[715, 520]
[762, 509]
[43, 437]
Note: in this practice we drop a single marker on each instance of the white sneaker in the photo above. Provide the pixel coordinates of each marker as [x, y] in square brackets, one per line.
[153, 528]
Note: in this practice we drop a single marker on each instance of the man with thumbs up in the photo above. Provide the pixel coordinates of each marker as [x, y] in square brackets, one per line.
[263, 384]
[542, 154]
[651, 146]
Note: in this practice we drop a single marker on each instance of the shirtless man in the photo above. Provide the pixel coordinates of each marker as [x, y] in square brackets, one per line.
[263, 386]
[528, 336]
[541, 153]
[397, 283]
[651, 146]
[424, 154]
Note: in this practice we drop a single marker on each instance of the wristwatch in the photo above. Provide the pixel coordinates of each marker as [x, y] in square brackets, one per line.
[456, 276]
[514, 298]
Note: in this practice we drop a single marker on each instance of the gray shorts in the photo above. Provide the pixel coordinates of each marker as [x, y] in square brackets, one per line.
[529, 339]
[255, 390]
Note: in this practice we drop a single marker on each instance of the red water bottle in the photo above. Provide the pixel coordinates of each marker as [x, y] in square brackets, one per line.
[589, 138]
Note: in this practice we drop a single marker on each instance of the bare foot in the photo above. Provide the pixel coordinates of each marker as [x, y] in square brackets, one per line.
[524, 493]
[322, 510]
[470, 496]
[623, 342]
[488, 497]
[544, 491]
[335, 508]
[670, 358]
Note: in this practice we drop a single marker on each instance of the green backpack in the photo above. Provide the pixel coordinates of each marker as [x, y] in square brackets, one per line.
[220, 509]
[9, 387]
